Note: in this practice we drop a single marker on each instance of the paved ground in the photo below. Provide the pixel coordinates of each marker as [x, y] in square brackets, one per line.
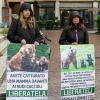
[3, 49]
[54, 66]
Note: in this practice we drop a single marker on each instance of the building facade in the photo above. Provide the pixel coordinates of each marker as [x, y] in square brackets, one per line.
[60, 9]
[1, 5]
[4, 12]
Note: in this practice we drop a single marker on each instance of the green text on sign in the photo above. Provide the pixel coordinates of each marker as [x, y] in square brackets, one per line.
[27, 93]
[79, 91]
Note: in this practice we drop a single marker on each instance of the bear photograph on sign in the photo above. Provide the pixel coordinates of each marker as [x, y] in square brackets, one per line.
[73, 58]
[69, 58]
[25, 59]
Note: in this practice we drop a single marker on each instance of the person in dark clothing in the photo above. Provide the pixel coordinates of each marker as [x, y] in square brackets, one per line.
[75, 32]
[24, 29]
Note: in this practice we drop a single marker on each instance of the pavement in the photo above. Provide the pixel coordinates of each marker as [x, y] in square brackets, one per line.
[54, 66]
[3, 49]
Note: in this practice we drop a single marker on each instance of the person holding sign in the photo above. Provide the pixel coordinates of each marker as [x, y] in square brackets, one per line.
[75, 32]
[24, 29]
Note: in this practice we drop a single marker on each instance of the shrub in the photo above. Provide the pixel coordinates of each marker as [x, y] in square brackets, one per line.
[98, 23]
[4, 32]
[57, 24]
[49, 24]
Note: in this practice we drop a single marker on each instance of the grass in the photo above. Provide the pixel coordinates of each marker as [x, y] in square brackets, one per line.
[4, 32]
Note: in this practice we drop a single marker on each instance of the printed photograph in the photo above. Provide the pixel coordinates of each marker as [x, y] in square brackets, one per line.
[77, 58]
[29, 58]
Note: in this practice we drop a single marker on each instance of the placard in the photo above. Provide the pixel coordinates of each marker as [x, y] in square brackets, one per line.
[77, 72]
[27, 72]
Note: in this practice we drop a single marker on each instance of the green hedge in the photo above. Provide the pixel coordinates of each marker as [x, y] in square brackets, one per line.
[4, 32]
[98, 23]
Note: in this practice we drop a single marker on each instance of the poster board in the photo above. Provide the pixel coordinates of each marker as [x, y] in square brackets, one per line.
[27, 72]
[77, 72]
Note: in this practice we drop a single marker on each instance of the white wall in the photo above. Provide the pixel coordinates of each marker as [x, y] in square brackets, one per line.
[57, 9]
[95, 13]
[0, 11]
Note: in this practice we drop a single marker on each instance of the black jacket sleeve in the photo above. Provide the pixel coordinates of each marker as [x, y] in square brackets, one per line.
[63, 39]
[86, 36]
[38, 36]
[12, 35]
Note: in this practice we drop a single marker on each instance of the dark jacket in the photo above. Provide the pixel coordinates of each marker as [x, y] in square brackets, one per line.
[69, 36]
[16, 34]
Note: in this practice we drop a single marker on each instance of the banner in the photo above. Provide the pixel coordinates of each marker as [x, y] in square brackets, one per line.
[77, 72]
[27, 72]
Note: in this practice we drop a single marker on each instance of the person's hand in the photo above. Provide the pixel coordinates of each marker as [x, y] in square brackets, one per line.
[74, 43]
[36, 43]
[23, 42]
